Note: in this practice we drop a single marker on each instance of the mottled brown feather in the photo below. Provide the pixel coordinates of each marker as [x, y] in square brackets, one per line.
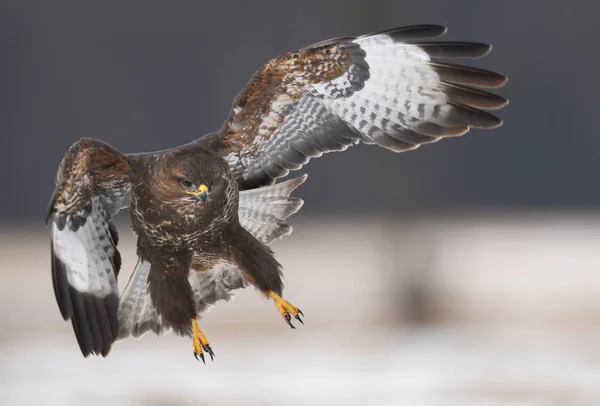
[282, 79]
[88, 163]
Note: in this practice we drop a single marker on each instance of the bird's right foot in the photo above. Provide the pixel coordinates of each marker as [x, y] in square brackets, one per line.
[200, 343]
[286, 309]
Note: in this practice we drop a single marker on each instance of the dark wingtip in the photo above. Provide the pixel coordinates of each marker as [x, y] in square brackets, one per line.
[411, 32]
[80, 323]
[475, 118]
[95, 322]
[421, 31]
[455, 49]
[474, 97]
[469, 76]
[111, 302]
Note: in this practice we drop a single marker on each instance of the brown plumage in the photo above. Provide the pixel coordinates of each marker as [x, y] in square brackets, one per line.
[282, 80]
[179, 231]
[204, 212]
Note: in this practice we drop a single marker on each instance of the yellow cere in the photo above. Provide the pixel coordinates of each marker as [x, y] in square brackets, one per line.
[202, 188]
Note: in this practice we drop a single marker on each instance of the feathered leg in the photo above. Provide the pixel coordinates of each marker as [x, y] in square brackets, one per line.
[173, 298]
[256, 261]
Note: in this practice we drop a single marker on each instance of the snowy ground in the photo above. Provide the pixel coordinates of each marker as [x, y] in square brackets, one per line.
[519, 298]
[404, 367]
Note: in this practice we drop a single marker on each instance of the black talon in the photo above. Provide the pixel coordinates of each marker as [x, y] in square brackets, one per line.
[300, 313]
[297, 317]
[201, 357]
[209, 351]
[288, 319]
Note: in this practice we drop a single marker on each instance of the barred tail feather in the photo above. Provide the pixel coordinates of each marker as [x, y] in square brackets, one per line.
[137, 314]
[216, 284]
[263, 211]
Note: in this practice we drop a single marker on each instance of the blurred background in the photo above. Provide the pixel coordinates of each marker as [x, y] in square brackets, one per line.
[468, 275]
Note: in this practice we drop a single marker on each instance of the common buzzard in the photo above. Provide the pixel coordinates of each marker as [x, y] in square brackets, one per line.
[204, 212]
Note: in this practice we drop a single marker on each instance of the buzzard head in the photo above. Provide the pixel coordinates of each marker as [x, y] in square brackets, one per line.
[193, 186]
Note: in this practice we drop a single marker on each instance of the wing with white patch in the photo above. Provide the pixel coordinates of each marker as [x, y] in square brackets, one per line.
[384, 89]
[92, 186]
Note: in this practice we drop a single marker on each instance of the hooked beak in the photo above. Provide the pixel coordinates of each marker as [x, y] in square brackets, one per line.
[202, 193]
[203, 196]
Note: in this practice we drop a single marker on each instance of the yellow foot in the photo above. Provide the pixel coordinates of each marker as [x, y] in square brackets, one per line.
[200, 343]
[286, 309]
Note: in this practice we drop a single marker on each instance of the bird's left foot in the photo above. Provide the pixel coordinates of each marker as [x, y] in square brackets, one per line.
[200, 343]
[286, 309]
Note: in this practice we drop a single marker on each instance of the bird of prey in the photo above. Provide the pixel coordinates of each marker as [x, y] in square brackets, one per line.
[204, 212]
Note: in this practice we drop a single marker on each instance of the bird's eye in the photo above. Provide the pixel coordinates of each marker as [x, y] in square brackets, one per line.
[185, 182]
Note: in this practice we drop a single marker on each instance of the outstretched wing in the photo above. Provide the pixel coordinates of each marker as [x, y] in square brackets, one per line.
[381, 88]
[92, 185]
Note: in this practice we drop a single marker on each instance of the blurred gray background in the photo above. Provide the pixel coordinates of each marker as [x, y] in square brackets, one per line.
[148, 75]
[468, 273]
